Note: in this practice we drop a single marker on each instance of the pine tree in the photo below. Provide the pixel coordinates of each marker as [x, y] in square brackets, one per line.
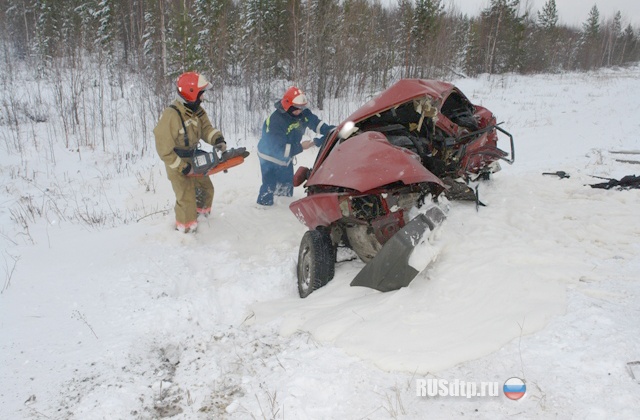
[266, 39]
[182, 40]
[548, 17]
[474, 55]
[591, 40]
[211, 21]
[104, 15]
[629, 44]
[322, 43]
[501, 37]
[17, 25]
[382, 58]
[545, 39]
[405, 36]
[48, 26]
[428, 14]
[460, 41]
[591, 28]
[154, 43]
[614, 33]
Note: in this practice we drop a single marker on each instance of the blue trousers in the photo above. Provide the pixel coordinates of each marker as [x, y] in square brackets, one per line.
[276, 180]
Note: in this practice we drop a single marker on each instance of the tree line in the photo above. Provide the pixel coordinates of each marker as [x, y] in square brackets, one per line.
[329, 47]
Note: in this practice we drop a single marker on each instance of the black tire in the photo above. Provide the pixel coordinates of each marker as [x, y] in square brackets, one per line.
[316, 261]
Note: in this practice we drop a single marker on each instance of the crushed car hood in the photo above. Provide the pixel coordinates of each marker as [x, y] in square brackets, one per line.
[404, 90]
[369, 161]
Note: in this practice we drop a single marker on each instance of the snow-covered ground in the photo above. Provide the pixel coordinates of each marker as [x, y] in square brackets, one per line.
[105, 320]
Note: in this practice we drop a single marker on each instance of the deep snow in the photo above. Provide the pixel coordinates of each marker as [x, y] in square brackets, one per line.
[139, 321]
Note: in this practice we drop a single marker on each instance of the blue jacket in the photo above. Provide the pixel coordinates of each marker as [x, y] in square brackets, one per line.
[282, 133]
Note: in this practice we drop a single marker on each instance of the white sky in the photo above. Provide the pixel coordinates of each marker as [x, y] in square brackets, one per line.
[572, 12]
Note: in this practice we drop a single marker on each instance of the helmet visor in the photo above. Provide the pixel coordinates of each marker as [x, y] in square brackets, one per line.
[300, 101]
[203, 89]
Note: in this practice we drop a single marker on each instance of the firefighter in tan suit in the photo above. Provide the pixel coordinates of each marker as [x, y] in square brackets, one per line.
[181, 127]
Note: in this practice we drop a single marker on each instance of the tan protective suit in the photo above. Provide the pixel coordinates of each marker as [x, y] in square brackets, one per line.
[169, 135]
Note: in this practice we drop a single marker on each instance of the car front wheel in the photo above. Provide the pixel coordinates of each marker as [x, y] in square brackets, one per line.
[316, 261]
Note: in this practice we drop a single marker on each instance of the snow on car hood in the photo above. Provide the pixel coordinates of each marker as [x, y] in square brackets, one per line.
[368, 161]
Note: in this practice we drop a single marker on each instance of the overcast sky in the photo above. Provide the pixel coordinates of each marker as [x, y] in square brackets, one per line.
[571, 12]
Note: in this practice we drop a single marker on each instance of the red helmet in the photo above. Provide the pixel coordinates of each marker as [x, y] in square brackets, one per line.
[190, 85]
[294, 97]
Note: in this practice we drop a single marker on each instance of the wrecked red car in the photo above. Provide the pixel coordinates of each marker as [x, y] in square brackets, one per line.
[375, 184]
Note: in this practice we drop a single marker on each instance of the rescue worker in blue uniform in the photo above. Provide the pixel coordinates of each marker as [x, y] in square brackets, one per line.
[281, 140]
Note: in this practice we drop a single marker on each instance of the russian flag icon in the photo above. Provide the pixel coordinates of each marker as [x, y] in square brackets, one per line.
[514, 388]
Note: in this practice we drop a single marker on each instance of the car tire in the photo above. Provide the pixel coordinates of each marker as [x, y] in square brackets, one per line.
[316, 261]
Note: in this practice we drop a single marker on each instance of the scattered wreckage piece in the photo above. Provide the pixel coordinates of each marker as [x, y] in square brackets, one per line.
[625, 152]
[559, 174]
[625, 183]
[634, 162]
[634, 370]
[391, 268]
